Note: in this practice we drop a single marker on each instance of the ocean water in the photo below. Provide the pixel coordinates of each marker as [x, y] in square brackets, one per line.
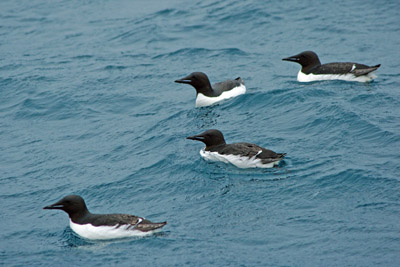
[89, 106]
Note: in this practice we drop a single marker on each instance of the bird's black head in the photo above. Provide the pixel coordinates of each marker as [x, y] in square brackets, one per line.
[307, 59]
[198, 80]
[72, 204]
[211, 137]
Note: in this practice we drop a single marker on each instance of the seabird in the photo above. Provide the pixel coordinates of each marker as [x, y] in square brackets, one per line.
[313, 70]
[206, 94]
[242, 155]
[103, 226]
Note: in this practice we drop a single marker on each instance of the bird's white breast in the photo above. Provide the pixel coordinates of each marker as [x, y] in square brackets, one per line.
[202, 100]
[302, 77]
[238, 161]
[105, 232]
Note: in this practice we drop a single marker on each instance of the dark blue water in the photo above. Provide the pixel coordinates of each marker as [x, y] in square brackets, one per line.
[88, 106]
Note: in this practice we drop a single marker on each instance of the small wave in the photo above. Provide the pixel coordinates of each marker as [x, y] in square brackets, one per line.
[32, 19]
[170, 12]
[115, 67]
[128, 35]
[377, 205]
[82, 57]
[72, 35]
[201, 52]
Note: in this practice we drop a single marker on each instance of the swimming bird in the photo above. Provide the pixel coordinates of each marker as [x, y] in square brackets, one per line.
[242, 155]
[313, 70]
[102, 226]
[206, 94]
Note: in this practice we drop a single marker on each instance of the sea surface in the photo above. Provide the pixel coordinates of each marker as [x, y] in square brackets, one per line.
[88, 106]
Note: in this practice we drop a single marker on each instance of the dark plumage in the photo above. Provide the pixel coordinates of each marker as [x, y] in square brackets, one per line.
[201, 83]
[76, 208]
[215, 142]
[311, 64]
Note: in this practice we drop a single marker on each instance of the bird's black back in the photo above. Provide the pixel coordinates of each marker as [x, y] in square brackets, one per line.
[136, 222]
[247, 150]
[221, 87]
[343, 68]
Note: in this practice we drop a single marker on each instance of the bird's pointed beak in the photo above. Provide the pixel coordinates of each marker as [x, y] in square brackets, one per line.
[196, 137]
[292, 58]
[186, 80]
[55, 206]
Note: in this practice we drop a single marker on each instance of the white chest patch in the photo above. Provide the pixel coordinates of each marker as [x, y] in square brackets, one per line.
[106, 232]
[302, 77]
[238, 161]
[202, 100]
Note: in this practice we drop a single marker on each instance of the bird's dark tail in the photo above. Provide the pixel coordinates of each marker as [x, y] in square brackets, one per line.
[360, 72]
[146, 227]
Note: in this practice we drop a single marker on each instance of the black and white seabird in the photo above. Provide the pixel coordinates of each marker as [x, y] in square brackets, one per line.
[313, 70]
[102, 226]
[242, 155]
[206, 94]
